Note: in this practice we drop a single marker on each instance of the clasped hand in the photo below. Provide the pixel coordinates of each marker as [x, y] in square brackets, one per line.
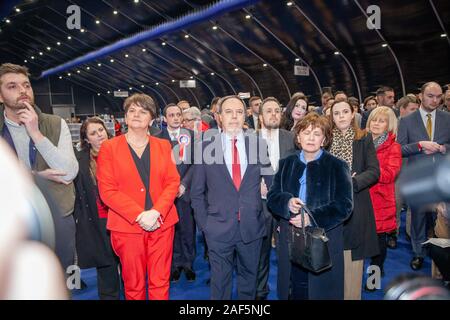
[148, 220]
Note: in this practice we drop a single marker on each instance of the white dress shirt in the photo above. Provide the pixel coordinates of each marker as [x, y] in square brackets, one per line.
[423, 115]
[172, 133]
[273, 144]
[227, 146]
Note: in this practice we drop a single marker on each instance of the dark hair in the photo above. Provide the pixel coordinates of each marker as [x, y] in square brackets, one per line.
[143, 100]
[316, 121]
[83, 131]
[253, 99]
[359, 134]
[268, 99]
[354, 102]
[328, 93]
[366, 100]
[381, 91]
[340, 92]
[223, 99]
[286, 120]
[169, 106]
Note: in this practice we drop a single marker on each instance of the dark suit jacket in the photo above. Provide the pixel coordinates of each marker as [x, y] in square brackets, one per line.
[185, 169]
[411, 130]
[154, 131]
[250, 122]
[286, 142]
[286, 146]
[216, 202]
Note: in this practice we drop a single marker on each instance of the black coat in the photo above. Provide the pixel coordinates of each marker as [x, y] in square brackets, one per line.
[92, 240]
[360, 233]
[329, 197]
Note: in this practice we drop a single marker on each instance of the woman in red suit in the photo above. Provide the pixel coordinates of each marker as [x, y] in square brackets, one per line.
[382, 123]
[138, 181]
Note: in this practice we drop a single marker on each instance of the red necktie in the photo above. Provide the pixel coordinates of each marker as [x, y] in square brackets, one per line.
[236, 167]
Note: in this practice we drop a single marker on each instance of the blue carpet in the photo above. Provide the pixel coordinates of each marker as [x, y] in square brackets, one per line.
[397, 262]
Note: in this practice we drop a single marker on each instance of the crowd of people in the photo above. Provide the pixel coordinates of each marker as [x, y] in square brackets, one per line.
[131, 205]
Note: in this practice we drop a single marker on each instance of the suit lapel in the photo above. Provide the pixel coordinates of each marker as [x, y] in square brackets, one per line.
[247, 154]
[223, 166]
[282, 143]
[421, 126]
[437, 125]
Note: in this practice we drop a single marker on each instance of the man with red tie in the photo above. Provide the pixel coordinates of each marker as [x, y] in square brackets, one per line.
[226, 198]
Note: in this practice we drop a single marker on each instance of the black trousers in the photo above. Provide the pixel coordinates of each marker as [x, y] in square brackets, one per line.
[184, 239]
[108, 278]
[382, 243]
[262, 288]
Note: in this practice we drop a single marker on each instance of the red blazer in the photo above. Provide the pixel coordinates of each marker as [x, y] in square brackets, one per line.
[389, 156]
[122, 190]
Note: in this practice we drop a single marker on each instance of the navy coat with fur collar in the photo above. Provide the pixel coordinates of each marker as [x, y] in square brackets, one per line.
[329, 189]
[330, 199]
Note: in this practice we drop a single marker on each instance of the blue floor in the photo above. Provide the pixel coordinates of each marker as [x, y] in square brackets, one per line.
[397, 262]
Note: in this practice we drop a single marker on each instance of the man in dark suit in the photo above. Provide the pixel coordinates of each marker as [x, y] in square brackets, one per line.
[424, 136]
[280, 144]
[184, 239]
[254, 104]
[226, 198]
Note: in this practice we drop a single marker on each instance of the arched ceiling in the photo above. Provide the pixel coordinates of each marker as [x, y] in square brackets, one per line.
[252, 49]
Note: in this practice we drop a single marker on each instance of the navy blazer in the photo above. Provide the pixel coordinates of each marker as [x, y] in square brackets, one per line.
[411, 130]
[216, 201]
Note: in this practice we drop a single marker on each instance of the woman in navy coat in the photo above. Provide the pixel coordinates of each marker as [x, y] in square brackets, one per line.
[313, 177]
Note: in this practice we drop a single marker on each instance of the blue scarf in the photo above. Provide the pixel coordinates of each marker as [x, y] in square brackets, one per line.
[302, 180]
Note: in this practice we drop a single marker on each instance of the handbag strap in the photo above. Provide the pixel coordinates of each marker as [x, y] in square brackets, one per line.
[308, 212]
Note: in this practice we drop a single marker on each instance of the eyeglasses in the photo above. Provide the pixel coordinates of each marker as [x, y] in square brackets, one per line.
[188, 120]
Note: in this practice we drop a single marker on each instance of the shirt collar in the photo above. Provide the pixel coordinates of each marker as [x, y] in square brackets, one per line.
[226, 136]
[273, 133]
[171, 132]
[423, 113]
[302, 156]
[10, 122]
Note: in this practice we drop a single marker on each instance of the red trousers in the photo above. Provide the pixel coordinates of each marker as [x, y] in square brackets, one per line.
[148, 254]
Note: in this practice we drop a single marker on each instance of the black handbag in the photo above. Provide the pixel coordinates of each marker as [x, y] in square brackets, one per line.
[308, 246]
